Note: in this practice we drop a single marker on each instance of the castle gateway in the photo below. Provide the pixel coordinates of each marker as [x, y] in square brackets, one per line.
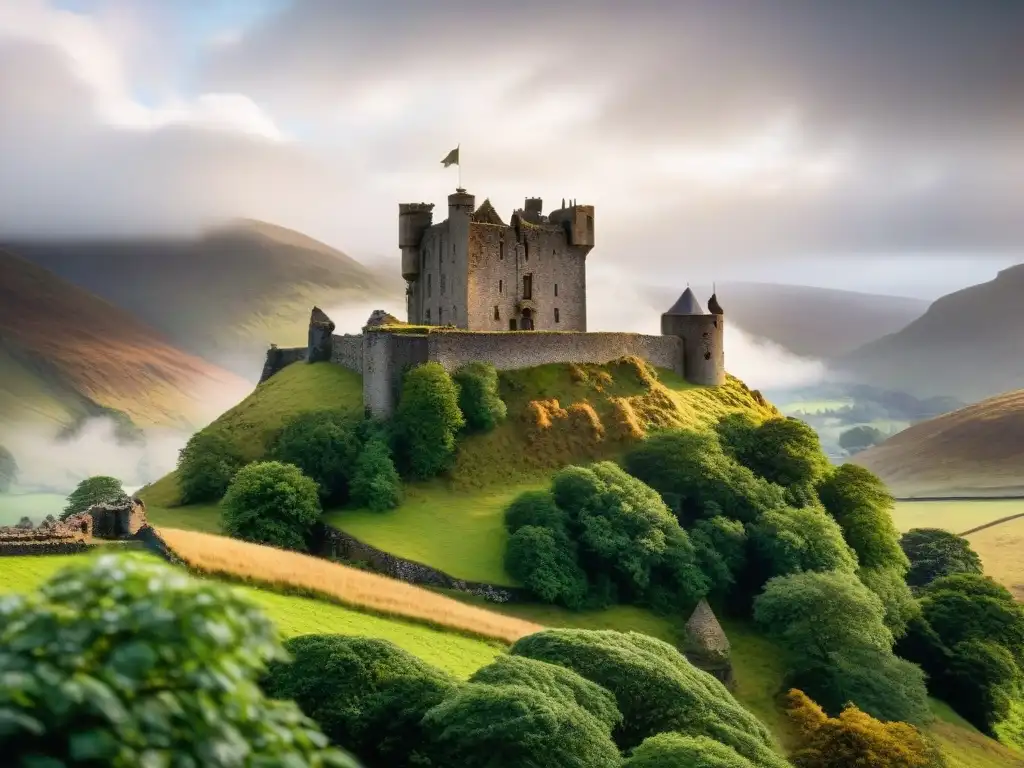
[473, 271]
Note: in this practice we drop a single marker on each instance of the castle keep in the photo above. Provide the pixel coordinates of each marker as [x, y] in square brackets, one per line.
[513, 295]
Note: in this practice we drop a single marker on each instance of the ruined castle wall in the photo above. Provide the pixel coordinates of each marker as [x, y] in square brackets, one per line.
[281, 357]
[347, 351]
[386, 357]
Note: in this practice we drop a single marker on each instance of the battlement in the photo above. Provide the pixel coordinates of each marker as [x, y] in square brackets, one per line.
[415, 208]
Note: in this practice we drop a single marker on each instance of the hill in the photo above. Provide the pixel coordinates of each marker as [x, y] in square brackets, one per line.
[223, 295]
[967, 345]
[808, 321]
[974, 451]
[65, 353]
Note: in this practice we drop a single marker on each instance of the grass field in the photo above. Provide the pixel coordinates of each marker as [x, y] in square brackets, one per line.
[1001, 548]
[956, 516]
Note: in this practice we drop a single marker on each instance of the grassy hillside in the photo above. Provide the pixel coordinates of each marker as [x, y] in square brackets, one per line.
[224, 295]
[64, 353]
[974, 451]
[967, 345]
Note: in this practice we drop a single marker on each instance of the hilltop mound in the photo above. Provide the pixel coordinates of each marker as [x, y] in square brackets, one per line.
[223, 295]
[65, 353]
[975, 451]
[967, 345]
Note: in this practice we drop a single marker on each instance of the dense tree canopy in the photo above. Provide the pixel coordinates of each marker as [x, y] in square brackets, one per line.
[479, 401]
[98, 489]
[807, 539]
[206, 466]
[673, 750]
[324, 445]
[859, 438]
[787, 452]
[271, 503]
[124, 662]
[934, 553]
[427, 420]
[970, 606]
[375, 483]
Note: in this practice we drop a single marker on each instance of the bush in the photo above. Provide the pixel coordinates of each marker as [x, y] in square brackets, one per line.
[697, 479]
[721, 547]
[427, 420]
[786, 451]
[479, 401]
[982, 680]
[899, 603]
[535, 508]
[974, 607]
[8, 470]
[324, 446]
[656, 689]
[366, 693]
[553, 681]
[121, 661]
[375, 482]
[484, 726]
[791, 540]
[673, 750]
[94, 490]
[271, 503]
[934, 553]
[544, 561]
[206, 466]
[855, 738]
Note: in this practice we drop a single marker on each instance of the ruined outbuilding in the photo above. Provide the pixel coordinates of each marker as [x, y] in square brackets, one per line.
[706, 645]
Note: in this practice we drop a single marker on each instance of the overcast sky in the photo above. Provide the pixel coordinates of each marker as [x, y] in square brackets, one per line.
[874, 145]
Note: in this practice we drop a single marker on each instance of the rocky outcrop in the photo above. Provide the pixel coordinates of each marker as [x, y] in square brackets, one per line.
[321, 332]
[335, 544]
[379, 317]
[706, 645]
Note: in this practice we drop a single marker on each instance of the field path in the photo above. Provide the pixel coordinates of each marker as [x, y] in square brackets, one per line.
[992, 524]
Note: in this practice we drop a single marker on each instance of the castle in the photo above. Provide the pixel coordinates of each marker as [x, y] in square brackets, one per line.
[513, 295]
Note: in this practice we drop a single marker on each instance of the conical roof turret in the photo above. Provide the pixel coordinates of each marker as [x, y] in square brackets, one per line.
[687, 304]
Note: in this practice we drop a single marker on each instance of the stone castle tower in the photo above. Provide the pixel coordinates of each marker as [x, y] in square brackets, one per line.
[475, 272]
[703, 335]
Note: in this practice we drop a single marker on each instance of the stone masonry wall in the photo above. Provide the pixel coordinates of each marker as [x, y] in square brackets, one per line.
[348, 351]
[281, 357]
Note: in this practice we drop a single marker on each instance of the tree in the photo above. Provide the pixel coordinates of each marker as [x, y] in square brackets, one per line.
[791, 540]
[375, 482]
[721, 547]
[324, 446]
[479, 400]
[860, 438]
[545, 562]
[98, 489]
[974, 607]
[271, 503]
[537, 508]
[366, 693]
[982, 679]
[673, 750]
[152, 667]
[206, 466]
[8, 470]
[656, 689]
[786, 451]
[855, 738]
[934, 553]
[891, 588]
[427, 420]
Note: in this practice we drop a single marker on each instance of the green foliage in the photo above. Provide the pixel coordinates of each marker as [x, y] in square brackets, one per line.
[737, 434]
[365, 693]
[324, 446]
[98, 489]
[515, 726]
[697, 479]
[862, 505]
[8, 470]
[891, 588]
[535, 508]
[427, 420]
[982, 680]
[833, 629]
[721, 547]
[123, 662]
[974, 607]
[479, 401]
[791, 540]
[375, 482]
[860, 438]
[206, 466]
[785, 451]
[673, 750]
[544, 561]
[271, 503]
[656, 689]
[556, 682]
[934, 553]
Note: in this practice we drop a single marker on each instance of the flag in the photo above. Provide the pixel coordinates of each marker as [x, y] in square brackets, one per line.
[452, 158]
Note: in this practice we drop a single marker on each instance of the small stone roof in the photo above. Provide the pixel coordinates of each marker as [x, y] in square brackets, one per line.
[687, 304]
[486, 214]
[703, 632]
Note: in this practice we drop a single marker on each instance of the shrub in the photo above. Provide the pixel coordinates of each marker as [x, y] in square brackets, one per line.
[427, 420]
[324, 446]
[122, 661]
[375, 482]
[791, 540]
[479, 401]
[974, 607]
[93, 490]
[8, 470]
[721, 547]
[982, 680]
[271, 503]
[899, 603]
[697, 479]
[934, 553]
[554, 681]
[206, 466]
[544, 561]
[366, 693]
[481, 726]
[536, 508]
[855, 738]
[786, 451]
[656, 689]
[673, 750]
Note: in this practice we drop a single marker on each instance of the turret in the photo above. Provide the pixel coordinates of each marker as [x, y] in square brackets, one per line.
[414, 219]
[703, 336]
[578, 221]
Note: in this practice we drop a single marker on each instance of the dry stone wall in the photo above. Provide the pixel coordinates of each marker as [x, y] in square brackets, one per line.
[347, 351]
[279, 358]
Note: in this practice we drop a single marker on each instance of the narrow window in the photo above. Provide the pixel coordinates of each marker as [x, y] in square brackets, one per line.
[526, 251]
[527, 286]
[556, 289]
[428, 317]
[497, 314]
[511, 323]
[501, 284]
[455, 314]
[444, 282]
[440, 315]
[428, 285]
[590, 224]
[556, 314]
[501, 250]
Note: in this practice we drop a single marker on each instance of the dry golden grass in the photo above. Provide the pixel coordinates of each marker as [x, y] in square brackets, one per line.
[1000, 549]
[294, 572]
